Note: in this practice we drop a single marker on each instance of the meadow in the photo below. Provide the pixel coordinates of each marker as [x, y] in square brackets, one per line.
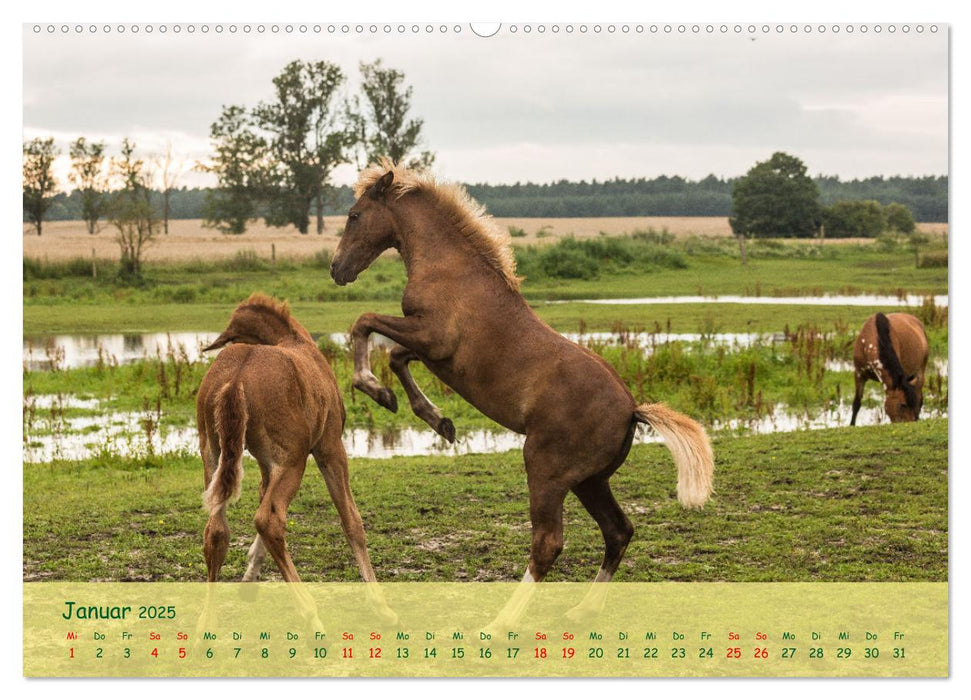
[868, 503]
[64, 297]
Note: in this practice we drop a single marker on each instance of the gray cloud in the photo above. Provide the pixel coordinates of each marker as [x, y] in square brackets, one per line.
[684, 104]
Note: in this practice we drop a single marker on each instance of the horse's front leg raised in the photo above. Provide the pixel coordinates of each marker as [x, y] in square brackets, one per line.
[420, 404]
[407, 331]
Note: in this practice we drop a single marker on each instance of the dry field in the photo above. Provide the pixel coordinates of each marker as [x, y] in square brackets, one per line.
[187, 239]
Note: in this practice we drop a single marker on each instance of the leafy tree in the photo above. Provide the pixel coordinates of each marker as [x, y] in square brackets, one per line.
[39, 183]
[854, 219]
[310, 134]
[383, 126]
[239, 165]
[776, 198]
[899, 219]
[89, 179]
[132, 213]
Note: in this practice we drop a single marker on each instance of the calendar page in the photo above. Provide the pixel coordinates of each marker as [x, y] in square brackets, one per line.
[431, 349]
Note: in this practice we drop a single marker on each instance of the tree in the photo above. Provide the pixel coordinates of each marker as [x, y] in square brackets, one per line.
[899, 219]
[239, 165]
[775, 198]
[170, 170]
[854, 219]
[383, 127]
[132, 213]
[310, 136]
[89, 179]
[39, 183]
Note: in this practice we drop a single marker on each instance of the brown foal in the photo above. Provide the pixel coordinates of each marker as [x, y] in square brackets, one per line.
[465, 319]
[273, 393]
[892, 349]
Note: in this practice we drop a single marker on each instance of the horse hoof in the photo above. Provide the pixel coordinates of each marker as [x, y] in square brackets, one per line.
[446, 429]
[387, 399]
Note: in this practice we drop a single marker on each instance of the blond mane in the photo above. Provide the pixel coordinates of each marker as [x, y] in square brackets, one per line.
[467, 215]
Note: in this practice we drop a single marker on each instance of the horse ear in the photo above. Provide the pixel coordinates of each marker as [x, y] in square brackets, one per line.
[380, 188]
[224, 339]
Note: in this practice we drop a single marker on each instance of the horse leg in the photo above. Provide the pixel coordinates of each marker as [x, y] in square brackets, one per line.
[216, 541]
[332, 463]
[422, 407]
[617, 530]
[257, 550]
[407, 331]
[546, 498]
[271, 516]
[858, 397]
[331, 460]
[216, 536]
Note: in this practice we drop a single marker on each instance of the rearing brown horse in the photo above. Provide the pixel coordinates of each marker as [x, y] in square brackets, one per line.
[465, 319]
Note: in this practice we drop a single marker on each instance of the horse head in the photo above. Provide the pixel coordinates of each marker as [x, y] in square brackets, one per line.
[903, 401]
[368, 233]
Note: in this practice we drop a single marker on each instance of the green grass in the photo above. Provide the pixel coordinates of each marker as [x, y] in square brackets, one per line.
[849, 504]
[62, 298]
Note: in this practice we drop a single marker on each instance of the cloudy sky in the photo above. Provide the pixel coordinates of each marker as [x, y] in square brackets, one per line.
[518, 107]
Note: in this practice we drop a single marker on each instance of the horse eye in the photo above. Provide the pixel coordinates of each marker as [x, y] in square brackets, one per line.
[353, 215]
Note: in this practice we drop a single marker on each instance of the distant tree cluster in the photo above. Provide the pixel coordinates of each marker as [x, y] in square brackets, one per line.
[119, 190]
[776, 198]
[866, 219]
[277, 159]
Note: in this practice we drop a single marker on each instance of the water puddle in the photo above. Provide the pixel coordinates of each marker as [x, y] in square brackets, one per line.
[937, 365]
[74, 351]
[53, 438]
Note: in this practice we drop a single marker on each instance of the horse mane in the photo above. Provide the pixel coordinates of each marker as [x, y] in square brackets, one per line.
[280, 309]
[454, 201]
[890, 361]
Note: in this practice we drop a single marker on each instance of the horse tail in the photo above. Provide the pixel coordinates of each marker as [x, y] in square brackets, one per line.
[891, 362]
[231, 418]
[690, 448]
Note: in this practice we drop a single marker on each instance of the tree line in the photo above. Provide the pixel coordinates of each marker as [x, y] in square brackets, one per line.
[925, 197]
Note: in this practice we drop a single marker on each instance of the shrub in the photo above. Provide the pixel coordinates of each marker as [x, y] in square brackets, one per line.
[934, 258]
[570, 258]
[899, 219]
[245, 261]
[854, 219]
[37, 269]
[516, 232]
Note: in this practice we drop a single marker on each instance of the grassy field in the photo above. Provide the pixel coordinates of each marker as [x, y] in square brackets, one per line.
[864, 504]
[827, 505]
[64, 298]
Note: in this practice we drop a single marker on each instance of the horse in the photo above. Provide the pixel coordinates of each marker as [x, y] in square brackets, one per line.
[465, 319]
[272, 392]
[892, 349]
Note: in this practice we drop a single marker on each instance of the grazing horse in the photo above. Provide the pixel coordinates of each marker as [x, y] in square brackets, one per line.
[273, 393]
[465, 319]
[892, 349]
